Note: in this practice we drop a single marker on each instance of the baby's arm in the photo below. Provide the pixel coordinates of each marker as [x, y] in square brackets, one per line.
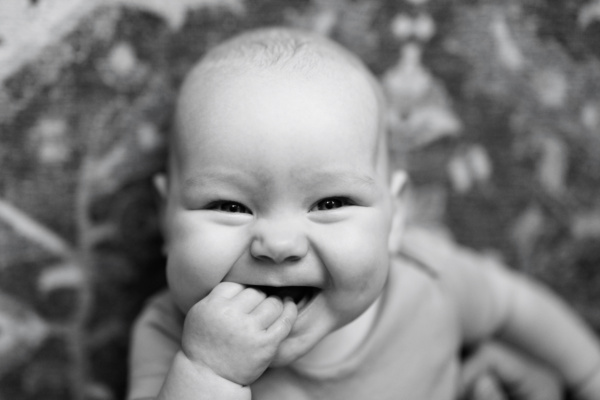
[540, 323]
[492, 300]
[228, 339]
[495, 371]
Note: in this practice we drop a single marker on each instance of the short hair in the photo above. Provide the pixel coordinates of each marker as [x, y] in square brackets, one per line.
[278, 47]
[286, 49]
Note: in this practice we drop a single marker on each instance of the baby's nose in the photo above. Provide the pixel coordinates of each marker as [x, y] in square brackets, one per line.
[278, 241]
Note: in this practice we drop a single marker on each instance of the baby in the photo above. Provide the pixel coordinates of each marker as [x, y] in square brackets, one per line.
[290, 276]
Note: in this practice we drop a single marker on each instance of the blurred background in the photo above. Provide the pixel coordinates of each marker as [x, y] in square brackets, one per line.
[495, 106]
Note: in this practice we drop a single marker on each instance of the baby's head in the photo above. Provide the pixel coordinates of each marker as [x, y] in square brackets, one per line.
[279, 180]
[273, 61]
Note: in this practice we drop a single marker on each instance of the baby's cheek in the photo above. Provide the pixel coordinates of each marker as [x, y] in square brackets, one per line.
[199, 261]
[359, 261]
[191, 275]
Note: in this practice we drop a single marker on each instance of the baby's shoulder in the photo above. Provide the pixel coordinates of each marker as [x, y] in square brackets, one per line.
[437, 253]
[159, 318]
[155, 340]
[478, 285]
[160, 304]
[432, 251]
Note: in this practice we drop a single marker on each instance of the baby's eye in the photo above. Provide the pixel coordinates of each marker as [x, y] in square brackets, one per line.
[229, 207]
[331, 203]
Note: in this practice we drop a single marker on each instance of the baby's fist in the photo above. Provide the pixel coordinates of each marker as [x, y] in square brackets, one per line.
[235, 331]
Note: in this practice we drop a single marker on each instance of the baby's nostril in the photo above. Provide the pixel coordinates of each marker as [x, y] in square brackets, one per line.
[265, 258]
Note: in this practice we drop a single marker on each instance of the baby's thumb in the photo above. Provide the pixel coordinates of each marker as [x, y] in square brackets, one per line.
[283, 325]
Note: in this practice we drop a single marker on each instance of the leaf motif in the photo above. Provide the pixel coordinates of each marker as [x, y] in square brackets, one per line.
[174, 12]
[553, 164]
[509, 53]
[21, 332]
[589, 13]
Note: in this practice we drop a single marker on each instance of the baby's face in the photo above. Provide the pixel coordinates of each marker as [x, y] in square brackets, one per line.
[278, 187]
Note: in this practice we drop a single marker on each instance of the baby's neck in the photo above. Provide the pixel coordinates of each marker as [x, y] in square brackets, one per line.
[340, 344]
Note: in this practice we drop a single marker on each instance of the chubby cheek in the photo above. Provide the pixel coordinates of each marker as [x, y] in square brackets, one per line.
[189, 278]
[200, 255]
[357, 261]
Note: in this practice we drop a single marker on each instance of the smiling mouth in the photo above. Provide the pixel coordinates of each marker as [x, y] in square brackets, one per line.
[301, 295]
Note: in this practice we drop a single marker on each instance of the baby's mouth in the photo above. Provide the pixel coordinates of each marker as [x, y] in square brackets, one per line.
[301, 295]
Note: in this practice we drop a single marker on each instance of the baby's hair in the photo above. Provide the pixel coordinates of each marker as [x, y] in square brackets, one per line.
[278, 48]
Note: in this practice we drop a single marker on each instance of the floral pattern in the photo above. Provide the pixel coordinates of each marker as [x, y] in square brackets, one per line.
[494, 110]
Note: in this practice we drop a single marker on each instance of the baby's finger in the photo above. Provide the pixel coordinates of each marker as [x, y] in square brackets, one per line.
[268, 311]
[248, 299]
[283, 325]
[226, 290]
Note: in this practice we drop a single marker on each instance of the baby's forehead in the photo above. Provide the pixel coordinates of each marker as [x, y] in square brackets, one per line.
[289, 55]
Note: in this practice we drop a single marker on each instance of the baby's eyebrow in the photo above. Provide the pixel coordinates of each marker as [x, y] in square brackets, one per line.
[331, 178]
[338, 177]
[215, 177]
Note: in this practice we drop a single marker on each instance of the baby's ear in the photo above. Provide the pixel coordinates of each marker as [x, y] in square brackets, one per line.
[398, 185]
[160, 183]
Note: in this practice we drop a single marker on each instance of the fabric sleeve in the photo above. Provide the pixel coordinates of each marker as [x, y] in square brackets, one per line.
[155, 340]
[480, 288]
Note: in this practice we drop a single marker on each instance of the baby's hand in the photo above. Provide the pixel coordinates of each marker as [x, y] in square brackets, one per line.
[236, 331]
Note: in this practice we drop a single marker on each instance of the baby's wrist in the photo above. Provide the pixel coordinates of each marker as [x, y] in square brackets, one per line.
[201, 368]
[206, 383]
